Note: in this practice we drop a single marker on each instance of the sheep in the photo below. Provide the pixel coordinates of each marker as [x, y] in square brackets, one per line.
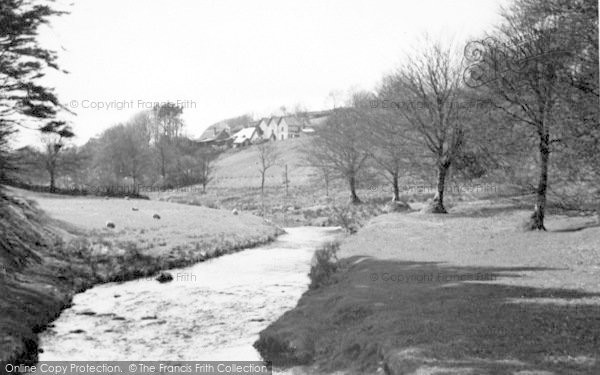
[156, 216]
[134, 209]
[127, 197]
[234, 211]
[110, 224]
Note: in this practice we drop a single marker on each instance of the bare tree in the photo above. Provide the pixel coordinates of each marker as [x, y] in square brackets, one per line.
[54, 145]
[339, 147]
[391, 147]
[206, 158]
[325, 173]
[166, 128]
[429, 96]
[267, 158]
[530, 65]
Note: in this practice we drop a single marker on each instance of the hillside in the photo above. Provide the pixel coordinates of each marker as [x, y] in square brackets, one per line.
[239, 167]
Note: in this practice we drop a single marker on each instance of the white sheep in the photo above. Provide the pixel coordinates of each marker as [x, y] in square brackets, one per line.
[234, 211]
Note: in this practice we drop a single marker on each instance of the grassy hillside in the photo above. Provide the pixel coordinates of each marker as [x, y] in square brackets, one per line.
[60, 246]
[239, 168]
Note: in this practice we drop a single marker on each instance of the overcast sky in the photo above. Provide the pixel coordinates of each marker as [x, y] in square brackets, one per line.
[226, 58]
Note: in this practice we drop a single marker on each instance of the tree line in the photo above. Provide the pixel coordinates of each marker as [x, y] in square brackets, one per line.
[532, 84]
[149, 150]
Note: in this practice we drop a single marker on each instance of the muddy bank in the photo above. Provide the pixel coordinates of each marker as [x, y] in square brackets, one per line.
[44, 262]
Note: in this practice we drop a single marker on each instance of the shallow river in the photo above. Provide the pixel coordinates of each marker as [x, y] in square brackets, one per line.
[210, 311]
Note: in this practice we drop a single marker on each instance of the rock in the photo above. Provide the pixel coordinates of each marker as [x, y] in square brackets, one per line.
[134, 209]
[164, 277]
[234, 211]
[110, 224]
[156, 216]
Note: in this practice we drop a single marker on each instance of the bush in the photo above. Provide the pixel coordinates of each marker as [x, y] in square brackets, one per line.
[324, 265]
[344, 217]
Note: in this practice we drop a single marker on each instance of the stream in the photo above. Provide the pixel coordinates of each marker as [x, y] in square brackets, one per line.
[210, 311]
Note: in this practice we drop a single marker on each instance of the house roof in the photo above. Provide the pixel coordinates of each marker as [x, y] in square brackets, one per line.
[209, 136]
[295, 124]
[244, 134]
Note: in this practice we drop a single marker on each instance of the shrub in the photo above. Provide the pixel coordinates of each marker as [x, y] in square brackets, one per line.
[343, 216]
[324, 265]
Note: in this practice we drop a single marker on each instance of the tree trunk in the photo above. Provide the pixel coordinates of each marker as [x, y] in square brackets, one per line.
[536, 221]
[262, 192]
[52, 180]
[396, 197]
[438, 199]
[353, 197]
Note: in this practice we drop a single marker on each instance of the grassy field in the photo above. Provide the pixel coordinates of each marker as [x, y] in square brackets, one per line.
[55, 246]
[464, 293]
[307, 199]
[238, 168]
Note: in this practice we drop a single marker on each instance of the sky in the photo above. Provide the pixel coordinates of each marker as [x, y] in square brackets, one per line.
[224, 58]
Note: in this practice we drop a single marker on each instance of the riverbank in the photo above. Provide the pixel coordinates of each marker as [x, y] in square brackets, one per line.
[464, 293]
[56, 246]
